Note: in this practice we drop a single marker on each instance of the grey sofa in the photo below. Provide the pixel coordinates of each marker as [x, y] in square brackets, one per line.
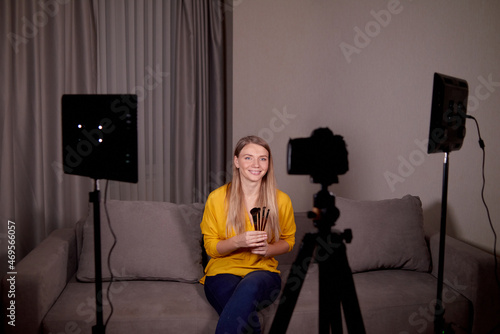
[158, 259]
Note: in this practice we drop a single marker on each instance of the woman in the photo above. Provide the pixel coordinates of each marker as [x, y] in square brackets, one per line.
[241, 276]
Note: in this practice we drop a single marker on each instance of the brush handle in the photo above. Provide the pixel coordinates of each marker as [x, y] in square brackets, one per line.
[265, 220]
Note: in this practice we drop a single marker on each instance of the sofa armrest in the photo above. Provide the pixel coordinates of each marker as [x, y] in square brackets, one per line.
[470, 272]
[40, 279]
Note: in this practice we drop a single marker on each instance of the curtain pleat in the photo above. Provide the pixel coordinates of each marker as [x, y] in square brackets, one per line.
[217, 116]
[49, 51]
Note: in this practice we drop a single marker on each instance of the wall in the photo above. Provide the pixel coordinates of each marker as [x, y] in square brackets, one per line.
[365, 70]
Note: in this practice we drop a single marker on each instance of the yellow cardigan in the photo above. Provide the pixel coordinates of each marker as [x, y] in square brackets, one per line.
[240, 263]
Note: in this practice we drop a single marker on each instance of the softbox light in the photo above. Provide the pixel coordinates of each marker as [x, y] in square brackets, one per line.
[100, 136]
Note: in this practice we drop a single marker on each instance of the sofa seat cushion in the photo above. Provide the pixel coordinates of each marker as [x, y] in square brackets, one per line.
[139, 307]
[400, 297]
[408, 298]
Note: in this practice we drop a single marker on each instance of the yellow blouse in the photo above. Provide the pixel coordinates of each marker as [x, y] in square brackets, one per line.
[240, 263]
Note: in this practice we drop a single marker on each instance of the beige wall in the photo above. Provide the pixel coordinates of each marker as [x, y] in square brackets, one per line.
[291, 76]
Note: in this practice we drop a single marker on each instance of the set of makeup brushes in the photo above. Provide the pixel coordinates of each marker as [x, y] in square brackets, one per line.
[259, 217]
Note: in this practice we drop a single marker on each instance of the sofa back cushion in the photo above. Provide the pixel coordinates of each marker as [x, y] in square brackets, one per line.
[387, 234]
[154, 241]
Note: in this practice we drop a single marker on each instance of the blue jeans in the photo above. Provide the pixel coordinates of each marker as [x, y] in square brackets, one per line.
[238, 299]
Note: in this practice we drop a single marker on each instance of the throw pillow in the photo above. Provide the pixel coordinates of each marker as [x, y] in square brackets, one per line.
[386, 234]
[154, 241]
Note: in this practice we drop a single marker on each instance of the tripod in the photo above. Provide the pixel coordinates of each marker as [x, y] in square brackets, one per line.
[336, 285]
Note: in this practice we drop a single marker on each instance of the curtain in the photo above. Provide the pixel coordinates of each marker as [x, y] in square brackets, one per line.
[47, 50]
[171, 54]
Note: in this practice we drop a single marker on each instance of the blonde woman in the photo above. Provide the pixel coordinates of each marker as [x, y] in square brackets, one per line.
[242, 277]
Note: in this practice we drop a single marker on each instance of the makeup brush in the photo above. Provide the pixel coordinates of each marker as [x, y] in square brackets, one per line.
[262, 218]
[253, 212]
[259, 220]
[265, 221]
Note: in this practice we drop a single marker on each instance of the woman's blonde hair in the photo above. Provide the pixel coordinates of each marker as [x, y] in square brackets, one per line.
[235, 204]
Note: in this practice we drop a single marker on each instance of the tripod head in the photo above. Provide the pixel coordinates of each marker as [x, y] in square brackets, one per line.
[325, 214]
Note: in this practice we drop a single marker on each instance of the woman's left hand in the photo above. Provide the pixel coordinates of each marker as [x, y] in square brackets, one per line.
[261, 250]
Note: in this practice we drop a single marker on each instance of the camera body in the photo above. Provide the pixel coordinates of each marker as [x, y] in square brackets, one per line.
[323, 156]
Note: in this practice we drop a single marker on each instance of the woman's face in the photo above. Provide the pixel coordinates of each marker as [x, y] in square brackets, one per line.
[252, 162]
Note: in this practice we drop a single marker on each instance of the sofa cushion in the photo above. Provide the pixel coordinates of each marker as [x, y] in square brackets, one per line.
[386, 234]
[154, 241]
[139, 307]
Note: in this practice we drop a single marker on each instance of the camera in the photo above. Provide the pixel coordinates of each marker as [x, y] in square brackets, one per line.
[323, 156]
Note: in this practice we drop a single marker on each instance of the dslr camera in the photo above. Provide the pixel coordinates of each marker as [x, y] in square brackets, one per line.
[323, 156]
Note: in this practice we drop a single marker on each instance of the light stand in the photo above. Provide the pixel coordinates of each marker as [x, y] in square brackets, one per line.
[95, 198]
[439, 323]
[100, 141]
[446, 134]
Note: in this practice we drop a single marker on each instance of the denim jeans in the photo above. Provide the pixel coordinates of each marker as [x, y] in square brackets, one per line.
[238, 299]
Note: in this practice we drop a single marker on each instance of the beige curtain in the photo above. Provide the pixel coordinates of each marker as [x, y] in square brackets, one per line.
[47, 50]
[171, 54]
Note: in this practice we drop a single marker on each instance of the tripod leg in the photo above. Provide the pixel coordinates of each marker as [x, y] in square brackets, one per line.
[293, 285]
[337, 288]
[349, 299]
[350, 303]
[329, 283]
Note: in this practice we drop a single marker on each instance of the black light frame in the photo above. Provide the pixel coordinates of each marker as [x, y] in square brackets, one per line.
[100, 136]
